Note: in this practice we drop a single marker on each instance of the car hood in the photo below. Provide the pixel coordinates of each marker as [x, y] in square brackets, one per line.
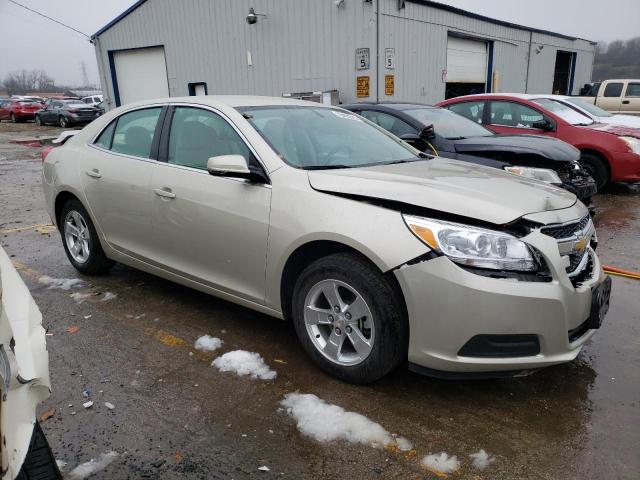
[623, 120]
[450, 186]
[546, 147]
[617, 129]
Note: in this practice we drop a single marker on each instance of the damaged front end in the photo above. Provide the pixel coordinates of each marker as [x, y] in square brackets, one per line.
[24, 367]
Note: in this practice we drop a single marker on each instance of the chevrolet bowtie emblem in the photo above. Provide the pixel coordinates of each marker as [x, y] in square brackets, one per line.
[581, 244]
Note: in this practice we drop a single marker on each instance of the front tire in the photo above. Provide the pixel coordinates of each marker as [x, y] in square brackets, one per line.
[80, 240]
[349, 319]
[14, 119]
[63, 122]
[597, 168]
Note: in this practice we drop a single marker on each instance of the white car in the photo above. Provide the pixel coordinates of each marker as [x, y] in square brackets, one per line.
[93, 100]
[594, 112]
[24, 373]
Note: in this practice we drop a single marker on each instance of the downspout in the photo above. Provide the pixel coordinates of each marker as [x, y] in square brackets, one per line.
[526, 80]
[378, 51]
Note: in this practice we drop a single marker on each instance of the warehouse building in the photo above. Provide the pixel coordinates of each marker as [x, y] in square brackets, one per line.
[354, 50]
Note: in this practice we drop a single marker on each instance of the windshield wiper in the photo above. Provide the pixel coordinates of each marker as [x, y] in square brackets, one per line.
[456, 138]
[326, 167]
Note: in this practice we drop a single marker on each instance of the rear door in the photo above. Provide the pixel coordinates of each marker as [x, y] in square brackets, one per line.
[511, 117]
[631, 100]
[210, 228]
[611, 97]
[116, 176]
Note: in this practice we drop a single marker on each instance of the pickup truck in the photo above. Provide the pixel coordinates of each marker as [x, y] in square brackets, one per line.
[616, 96]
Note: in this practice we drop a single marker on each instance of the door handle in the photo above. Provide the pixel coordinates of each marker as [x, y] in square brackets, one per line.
[626, 102]
[164, 192]
[95, 173]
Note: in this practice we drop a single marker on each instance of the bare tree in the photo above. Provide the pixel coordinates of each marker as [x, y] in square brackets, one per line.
[618, 59]
[24, 81]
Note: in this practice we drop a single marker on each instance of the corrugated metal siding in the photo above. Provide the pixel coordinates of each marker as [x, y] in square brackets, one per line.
[309, 45]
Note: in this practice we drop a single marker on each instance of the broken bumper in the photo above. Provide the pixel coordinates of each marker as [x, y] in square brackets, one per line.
[456, 315]
[25, 367]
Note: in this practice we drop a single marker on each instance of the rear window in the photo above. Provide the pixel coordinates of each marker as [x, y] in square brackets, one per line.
[134, 132]
[633, 90]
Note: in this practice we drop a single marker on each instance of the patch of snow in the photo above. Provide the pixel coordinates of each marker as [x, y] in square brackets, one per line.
[86, 469]
[80, 297]
[61, 283]
[441, 463]
[207, 343]
[264, 468]
[244, 363]
[109, 405]
[325, 422]
[108, 296]
[482, 459]
[88, 404]
[61, 463]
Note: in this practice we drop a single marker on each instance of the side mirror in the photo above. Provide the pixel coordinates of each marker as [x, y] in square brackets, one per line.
[544, 124]
[412, 139]
[428, 133]
[235, 166]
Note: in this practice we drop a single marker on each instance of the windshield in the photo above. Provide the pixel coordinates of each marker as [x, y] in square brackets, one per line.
[448, 124]
[316, 138]
[589, 107]
[563, 111]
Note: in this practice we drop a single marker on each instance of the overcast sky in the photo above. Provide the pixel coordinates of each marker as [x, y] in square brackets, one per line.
[28, 41]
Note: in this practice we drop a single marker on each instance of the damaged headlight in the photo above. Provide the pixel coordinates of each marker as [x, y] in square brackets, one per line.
[632, 143]
[473, 246]
[542, 174]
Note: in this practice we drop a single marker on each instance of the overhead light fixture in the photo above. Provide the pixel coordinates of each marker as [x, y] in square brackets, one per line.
[252, 17]
[539, 49]
[339, 3]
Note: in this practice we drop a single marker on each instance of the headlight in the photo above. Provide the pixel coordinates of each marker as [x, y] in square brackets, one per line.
[473, 246]
[542, 174]
[632, 143]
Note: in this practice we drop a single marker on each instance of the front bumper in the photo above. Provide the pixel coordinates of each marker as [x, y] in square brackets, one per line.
[626, 167]
[448, 306]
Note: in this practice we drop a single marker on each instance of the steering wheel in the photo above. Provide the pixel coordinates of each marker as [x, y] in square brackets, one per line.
[334, 151]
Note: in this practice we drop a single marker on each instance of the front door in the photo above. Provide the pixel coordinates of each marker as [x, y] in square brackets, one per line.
[514, 118]
[631, 100]
[208, 228]
[611, 97]
[116, 177]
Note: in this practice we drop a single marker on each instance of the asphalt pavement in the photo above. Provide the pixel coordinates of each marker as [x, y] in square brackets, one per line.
[176, 416]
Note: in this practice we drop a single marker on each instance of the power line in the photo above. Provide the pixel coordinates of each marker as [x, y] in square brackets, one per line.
[49, 18]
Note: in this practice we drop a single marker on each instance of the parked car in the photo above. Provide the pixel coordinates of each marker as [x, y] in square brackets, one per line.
[454, 136]
[378, 253]
[93, 100]
[24, 376]
[608, 153]
[66, 113]
[596, 113]
[18, 110]
[616, 96]
[103, 106]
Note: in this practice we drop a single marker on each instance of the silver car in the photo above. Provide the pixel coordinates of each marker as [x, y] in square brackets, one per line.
[377, 253]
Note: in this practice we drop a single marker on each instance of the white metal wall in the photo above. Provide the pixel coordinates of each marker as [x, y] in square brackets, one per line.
[309, 45]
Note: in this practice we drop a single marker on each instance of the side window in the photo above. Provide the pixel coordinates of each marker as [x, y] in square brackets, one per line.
[613, 89]
[106, 137]
[511, 114]
[471, 110]
[633, 90]
[197, 135]
[388, 122]
[134, 131]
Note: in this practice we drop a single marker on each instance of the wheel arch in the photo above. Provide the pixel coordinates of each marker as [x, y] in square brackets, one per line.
[598, 154]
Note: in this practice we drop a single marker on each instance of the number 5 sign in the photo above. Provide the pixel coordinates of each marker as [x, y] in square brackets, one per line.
[389, 58]
[362, 59]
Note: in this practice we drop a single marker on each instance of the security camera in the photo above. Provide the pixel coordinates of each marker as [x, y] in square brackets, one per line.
[339, 3]
[252, 18]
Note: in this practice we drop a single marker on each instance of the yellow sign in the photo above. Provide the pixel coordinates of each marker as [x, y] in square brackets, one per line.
[362, 86]
[389, 85]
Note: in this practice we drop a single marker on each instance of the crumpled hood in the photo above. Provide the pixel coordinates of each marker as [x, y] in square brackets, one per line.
[546, 147]
[619, 130]
[450, 186]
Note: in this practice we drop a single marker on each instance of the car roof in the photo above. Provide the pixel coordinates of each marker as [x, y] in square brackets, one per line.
[392, 105]
[232, 101]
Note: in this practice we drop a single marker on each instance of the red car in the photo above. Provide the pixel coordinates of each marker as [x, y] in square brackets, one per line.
[608, 152]
[18, 110]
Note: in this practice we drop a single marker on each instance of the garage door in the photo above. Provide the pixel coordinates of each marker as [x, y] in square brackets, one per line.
[466, 61]
[141, 74]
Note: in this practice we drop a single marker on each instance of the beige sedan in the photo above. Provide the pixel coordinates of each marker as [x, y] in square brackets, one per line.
[378, 253]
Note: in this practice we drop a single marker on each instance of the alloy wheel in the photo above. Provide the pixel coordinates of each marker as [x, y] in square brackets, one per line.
[76, 235]
[339, 322]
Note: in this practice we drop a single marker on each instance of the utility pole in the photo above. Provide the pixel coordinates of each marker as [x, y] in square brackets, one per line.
[85, 77]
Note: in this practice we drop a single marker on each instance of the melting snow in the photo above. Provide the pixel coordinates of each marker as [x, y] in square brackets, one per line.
[326, 422]
[61, 283]
[61, 463]
[207, 343]
[80, 297]
[441, 462]
[108, 296]
[83, 470]
[482, 459]
[244, 363]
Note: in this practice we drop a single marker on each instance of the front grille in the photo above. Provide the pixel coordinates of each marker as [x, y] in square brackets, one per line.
[567, 230]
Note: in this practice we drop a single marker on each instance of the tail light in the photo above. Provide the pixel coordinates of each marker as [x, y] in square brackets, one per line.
[45, 152]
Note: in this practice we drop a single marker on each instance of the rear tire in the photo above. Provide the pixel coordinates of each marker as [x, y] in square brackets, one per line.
[63, 122]
[39, 464]
[39, 121]
[384, 327]
[597, 168]
[80, 240]
[14, 119]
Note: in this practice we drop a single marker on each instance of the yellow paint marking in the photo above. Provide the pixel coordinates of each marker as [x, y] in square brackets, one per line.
[41, 227]
[21, 267]
[165, 337]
